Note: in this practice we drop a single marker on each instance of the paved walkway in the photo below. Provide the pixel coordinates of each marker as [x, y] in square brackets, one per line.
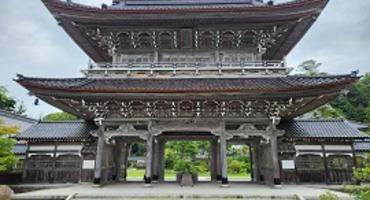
[172, 190]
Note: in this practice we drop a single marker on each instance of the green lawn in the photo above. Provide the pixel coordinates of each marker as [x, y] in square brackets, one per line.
[170, 174]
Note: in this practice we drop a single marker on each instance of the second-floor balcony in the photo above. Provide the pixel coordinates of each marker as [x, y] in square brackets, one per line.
[187, 69]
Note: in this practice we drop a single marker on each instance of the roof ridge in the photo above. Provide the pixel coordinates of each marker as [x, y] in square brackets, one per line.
[320, 120]
[20, 77]
[320, 76]
[63, 121]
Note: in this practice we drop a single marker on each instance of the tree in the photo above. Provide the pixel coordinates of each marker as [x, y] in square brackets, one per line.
[7, 158]
[309, 68]
[6, 103]
[10, 104]
[59, 116]
[355, 104]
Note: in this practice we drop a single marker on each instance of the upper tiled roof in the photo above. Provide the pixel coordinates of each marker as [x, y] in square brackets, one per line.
[181, 85]
[68, 130]
[325, 129]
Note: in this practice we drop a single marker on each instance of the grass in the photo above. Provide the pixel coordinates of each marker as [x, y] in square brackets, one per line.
[171, 174]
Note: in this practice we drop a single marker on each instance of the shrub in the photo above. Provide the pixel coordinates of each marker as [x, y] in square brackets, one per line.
[362, 174]
[359, 193]
[328, 196]
[236, 167]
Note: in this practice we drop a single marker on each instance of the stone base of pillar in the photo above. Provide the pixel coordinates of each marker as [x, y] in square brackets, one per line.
[224, 182]
[277, 181]
[262, 178]
[155, 177]
[97, 181]
[147, 180]
[114, 178]
[218, 177]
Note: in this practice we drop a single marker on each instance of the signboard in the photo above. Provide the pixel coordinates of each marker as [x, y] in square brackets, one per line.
[288, 164]
[88, 164]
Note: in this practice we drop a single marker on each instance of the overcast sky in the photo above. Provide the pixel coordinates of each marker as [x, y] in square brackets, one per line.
[32, 44]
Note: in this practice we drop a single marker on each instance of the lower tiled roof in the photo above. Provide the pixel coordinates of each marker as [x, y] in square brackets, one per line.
[68, 130]
[325, 129]
[180, 85]
[301, 129]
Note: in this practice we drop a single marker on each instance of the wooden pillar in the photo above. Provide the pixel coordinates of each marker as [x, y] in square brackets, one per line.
[214, 160]
[25, 164]
[355, 165]
[354, 156]
[99, 156]
[325, 164]
[223, 154]
[149, 157]
[156, 160]
[54, 159]
[161, 159]
[118, 158]
[218, 161]
[254, 162]
[275, 161]
[126, 153]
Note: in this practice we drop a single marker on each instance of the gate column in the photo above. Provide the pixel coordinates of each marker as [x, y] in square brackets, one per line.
[223, 155]
[149, 157]
[99, 154]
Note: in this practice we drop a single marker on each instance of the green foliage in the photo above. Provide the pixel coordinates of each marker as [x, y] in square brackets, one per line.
[138, 149]
[7, 158]
[194, 156]
[328, 196]
[8, 103]
[360, 193]
[326, 112]
[59, 116]
[355, 104]
[362, 174]
[182, 166]
[182, 156]
[236, 166]
[309, 68]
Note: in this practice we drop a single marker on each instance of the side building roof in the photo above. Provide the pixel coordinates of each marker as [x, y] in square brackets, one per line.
[58, 131]
[321, 129]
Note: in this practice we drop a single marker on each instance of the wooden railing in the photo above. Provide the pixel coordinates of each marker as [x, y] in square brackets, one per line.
[181, 68]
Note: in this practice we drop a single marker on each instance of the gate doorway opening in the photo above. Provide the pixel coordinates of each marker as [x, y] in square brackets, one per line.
[136, 162]
[187, 156]
[239, 162]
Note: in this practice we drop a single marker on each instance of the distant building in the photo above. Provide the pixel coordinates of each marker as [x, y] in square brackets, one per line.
[20, 121]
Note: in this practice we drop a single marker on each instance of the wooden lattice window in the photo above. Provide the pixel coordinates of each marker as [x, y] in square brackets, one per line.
[310, 162]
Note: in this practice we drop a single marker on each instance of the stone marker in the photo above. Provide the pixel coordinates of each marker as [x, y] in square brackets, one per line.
[5, 192]
[187, 180]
